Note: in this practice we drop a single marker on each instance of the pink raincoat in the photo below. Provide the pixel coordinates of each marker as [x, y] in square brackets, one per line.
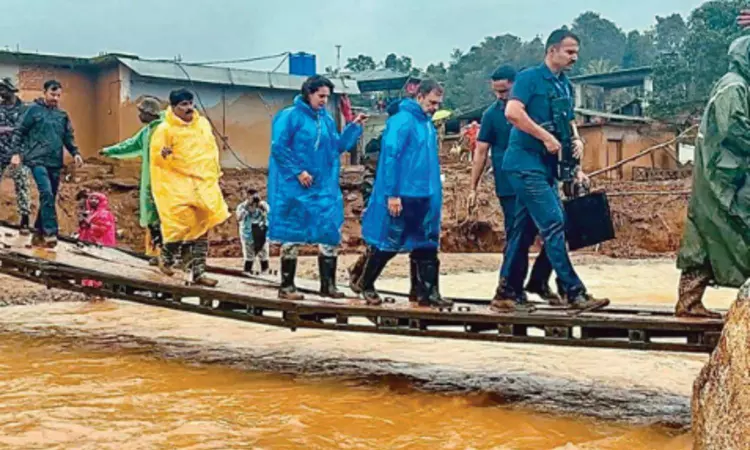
[98, 227]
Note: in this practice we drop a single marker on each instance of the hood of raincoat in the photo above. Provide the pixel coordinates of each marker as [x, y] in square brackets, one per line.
[739, 57]
[173, 120]
[415, 109]
[103, 202]
[300, 102]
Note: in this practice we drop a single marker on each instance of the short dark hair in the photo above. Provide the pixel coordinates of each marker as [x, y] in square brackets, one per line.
[252, 191]
[180, 95]
[558, 36]
[428, 86]
[413, 80]
[52, 85]
[314, 84]
[504, 73]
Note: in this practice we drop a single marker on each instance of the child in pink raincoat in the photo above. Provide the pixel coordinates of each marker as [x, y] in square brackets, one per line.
[98, 226]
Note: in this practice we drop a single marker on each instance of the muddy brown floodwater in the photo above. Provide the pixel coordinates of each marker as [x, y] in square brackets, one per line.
[119, 375]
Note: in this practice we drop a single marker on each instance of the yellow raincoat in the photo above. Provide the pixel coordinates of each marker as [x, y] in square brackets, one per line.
[185, 184]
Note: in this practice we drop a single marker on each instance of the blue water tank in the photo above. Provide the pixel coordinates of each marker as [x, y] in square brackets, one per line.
[302, 64]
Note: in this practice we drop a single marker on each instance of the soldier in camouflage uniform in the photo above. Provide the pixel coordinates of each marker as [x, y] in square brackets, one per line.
[11, 110]
[370, 161]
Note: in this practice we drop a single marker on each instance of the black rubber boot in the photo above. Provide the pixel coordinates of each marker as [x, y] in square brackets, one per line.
[376, 262]
[356, 270]
[327, 271]
[248, 267]
[288, 291]
[24, 227]
[413, 280]
[428, 291]
[264, 266]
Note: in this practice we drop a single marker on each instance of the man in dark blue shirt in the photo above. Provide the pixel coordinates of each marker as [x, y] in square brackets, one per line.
[531, 163]
[495, 134]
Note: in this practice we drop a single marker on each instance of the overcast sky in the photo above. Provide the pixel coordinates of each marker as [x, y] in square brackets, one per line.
[201, 30]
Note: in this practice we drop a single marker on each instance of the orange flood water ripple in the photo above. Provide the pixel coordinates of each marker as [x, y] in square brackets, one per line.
[56, 395]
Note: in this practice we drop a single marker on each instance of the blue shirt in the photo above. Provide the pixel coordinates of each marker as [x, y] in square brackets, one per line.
[495, 131]
[536, 87]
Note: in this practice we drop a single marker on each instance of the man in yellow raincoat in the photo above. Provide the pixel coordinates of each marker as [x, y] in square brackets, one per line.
[185, 174]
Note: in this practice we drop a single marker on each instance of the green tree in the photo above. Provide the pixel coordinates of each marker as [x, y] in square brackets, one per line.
[598, 66]
[397, 63]
[670, 33]
[691, 64]
[361, 63]
[437, 72]
[640, 50]
[468, 73]
[601, 39]
[530, 54]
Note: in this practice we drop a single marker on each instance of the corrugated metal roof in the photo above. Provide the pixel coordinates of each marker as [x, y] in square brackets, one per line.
[616, 79]
[379, 79]
[611, 116]
[226, 76]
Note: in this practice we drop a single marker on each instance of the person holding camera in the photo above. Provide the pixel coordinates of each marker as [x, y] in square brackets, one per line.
[252, 215]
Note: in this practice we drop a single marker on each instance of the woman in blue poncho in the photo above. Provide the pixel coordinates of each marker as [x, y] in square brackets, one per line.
[306, 205]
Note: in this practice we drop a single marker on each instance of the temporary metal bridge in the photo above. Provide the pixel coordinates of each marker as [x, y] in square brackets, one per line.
[127, 276]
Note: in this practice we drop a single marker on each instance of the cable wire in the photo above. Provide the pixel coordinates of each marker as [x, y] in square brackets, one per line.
[242, 60]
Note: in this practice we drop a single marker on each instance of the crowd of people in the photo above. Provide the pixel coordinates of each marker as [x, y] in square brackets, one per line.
[181, 200]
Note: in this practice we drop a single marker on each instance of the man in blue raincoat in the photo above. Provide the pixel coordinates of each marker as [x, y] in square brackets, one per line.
[403, 214]
[370, 161]
[306, 205]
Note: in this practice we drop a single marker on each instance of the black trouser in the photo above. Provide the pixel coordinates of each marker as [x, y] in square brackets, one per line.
[47, 183]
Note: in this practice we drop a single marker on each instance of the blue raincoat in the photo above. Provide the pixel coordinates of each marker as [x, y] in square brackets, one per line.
[409, 168]
[303, 139]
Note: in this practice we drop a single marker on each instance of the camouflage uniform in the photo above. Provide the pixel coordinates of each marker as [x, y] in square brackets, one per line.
[370, 160]
[10, 116]
[291, 251]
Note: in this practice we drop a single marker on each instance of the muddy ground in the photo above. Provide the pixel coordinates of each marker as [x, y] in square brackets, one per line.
[646, 226]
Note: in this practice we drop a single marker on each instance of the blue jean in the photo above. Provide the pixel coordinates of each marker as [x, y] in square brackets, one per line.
[542, 269]
[47, 182]
[539, 208]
